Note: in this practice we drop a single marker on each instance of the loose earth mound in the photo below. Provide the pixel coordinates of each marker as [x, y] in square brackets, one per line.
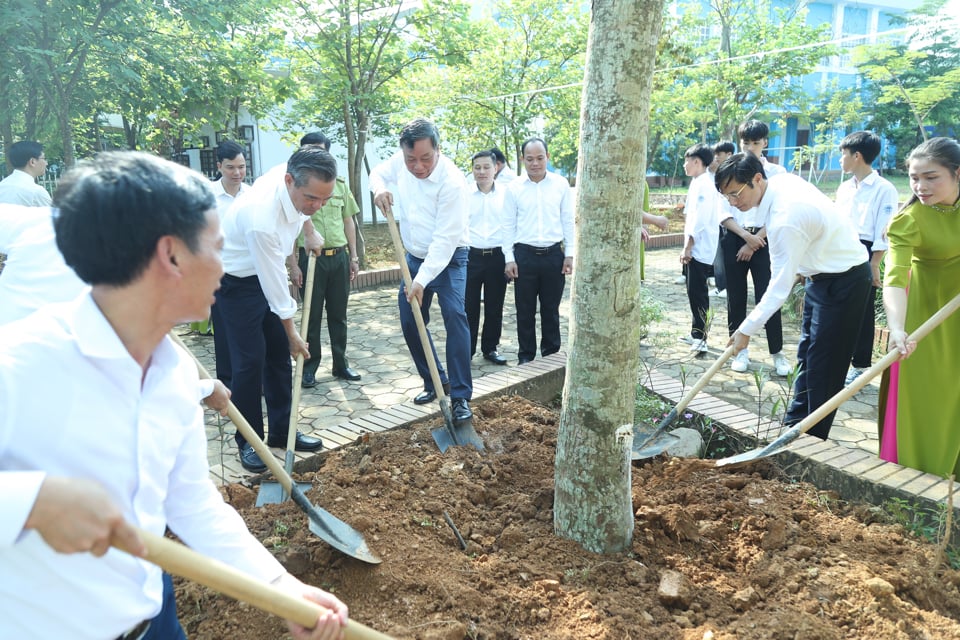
[717, 554]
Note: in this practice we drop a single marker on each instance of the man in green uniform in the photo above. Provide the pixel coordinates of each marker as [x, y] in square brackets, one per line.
[337, 266]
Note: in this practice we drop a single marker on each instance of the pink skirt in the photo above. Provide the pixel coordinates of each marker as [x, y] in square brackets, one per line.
[888, 443]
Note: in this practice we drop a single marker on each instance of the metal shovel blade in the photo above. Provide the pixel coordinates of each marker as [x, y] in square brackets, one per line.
[274, 493]
[452, 434]
[334, 531]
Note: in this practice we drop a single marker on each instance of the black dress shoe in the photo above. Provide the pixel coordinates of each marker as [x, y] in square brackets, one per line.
[426, 397]
[346, 374]
[250, 460]
[461, 410]
[304, 443]
[494, 357]
[524, 360]
[309, 380]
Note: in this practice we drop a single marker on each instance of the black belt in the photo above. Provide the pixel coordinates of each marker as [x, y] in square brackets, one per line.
[332, 252]
[828, 276]
[475, 251]
[136, 632]
[539, 251]
[753, 230]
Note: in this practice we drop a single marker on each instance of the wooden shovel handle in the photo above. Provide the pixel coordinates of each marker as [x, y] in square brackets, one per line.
[298, 368]
[176, 559]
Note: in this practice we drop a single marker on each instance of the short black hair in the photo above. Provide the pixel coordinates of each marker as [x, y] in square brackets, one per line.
[866, 143]
[21, 153]
[752, 130]
[311, 161]
[702, 151]
[419, 129]
[724, 146]
[498, 155]
[112, 210]
[740, 167]
[315, 137]
[486, 153]
[523, 147]
[228, 150]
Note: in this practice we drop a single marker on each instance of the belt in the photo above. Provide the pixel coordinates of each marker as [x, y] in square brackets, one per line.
[753, 230]
[136, 632]
[827, 276]
[539, 251]
[332, 252]
[476, 251]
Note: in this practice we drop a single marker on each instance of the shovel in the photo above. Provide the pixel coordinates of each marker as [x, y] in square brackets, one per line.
[178, 560]
[451, 434]
[659, 441]
[335, 532]
[272, 492]
[846, 393]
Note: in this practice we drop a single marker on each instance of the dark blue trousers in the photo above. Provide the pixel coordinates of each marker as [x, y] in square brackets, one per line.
[832, 313]
[449, 286]
[259, 357]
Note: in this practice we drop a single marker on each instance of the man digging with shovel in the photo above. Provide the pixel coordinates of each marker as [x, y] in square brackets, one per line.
[124, 445]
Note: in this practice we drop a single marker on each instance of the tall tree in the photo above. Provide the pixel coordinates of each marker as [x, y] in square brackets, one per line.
[593, 498]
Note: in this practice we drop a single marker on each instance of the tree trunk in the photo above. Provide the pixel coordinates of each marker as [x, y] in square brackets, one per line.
[593, 501]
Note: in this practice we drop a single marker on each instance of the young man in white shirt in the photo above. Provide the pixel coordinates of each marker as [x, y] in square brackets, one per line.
[869, 201]
[485, 278]
[699, 240]
[254, 297]
[806, 236]
[20, 187]
[504, 173]
[430, 194]
[123, 380]
[754, 138]
[537, 218]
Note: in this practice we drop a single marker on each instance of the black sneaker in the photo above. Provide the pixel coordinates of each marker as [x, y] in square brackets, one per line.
[461, 410]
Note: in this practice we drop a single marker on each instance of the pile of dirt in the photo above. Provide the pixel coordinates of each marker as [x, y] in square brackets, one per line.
[717, 554]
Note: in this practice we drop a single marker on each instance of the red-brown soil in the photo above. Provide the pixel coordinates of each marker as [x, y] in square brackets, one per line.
[753, 556]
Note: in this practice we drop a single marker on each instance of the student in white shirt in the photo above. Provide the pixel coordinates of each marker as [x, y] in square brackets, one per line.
[869, 201]
[65, 494]
[754, 138]
[699, 240]
[537, 218]
[806, 236]
[20, 187]
[504, 173]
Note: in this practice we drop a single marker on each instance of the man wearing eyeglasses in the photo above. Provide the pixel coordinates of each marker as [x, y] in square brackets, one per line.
[20, 187]
[806, 236]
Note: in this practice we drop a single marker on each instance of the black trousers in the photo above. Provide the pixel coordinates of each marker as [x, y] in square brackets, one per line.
[863, 349]
[540, 279]
[719, 268]
[220, 347]
[758, 266]
[331, 290]
[259, 355]
[485, 278]
[699, 297]
[832, 313]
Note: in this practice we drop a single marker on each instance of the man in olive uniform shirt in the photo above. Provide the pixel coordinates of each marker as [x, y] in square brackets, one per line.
[337, 266]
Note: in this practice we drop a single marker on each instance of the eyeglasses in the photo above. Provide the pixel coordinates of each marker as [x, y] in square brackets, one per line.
[733, 197]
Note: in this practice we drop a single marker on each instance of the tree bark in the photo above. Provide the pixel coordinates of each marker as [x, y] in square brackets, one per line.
[593, 501]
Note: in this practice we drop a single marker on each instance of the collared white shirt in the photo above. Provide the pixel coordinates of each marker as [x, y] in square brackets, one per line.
[700, 217]
[806, 235]
[434, 215]
[259, 231]
[506, 175]
[224, 199]
[21, 188]
[538, 214]
[486, 217]
[34, 274]
[869, 203]
[138, 434]
[771, 169]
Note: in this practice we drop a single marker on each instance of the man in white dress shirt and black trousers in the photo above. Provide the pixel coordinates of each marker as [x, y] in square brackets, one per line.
[808, 236]
[430, 193]
[538, 245]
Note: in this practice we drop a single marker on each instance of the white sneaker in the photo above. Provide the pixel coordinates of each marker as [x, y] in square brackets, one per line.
[781, 364]
[741, 361]
[700, 346]
[690, 340]
[716, 293]
[680, 280]
[711, 282]
[852, 375]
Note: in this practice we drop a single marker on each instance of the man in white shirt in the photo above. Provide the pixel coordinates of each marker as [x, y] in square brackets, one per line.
[124, 380]
[537, 218]
[807, 236]
[869, 201]
[485, 278]
[754, 138]
[504, 173]
[430, 193]
[232, 165]
[20, 187]
[254, 297]
[699, 240]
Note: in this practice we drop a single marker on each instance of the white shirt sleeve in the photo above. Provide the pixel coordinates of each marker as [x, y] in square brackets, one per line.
[567, 221]
[788, 243]
[887, 203]
[452, 216]
[510, 212]
[269, 258]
